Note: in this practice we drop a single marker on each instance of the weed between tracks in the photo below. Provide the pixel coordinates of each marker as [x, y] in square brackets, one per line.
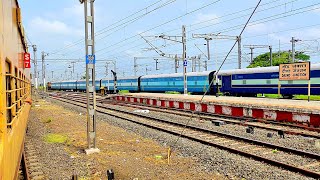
[55, 138]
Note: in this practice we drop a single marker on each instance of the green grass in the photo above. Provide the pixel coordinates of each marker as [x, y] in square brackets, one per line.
[305, 97]
[49, 120]
[272, 96]
[299, 97]
[124, 92]
[55, 138]
[172, 92]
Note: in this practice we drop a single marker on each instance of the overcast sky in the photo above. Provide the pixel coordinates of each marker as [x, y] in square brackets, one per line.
[57, 27]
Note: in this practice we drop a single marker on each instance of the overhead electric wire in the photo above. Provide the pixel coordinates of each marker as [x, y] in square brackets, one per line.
[196, 23]
[129, 16]
[226, 30]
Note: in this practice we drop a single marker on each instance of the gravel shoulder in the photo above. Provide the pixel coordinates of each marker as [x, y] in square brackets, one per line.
[210, 159]
[131, 155]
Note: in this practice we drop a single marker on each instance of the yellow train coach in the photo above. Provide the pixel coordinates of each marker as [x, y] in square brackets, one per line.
[15, 89]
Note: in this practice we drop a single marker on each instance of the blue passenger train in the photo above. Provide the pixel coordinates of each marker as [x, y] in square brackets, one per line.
[238, 82]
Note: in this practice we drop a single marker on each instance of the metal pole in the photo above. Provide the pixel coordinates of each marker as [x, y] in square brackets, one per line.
[184, 57]
[52, 75]
[208, 49]
[251, 53]
[293, 49]
[270, 48]
[107, 73]
[239, 51]
[43, 72]
[193, 65]
[135, 66]
[176, 63]
[90, 69]
[35, 65]
[73, 68]
[279, 49]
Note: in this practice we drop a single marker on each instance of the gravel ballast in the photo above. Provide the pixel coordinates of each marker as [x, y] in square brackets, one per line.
[211, 159]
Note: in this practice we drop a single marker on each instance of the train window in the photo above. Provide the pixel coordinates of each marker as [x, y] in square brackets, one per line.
[244, 81]
[290, 82]
[174, 83]
[195, 82]
[16, 85]
[268, 81]
[8, 89]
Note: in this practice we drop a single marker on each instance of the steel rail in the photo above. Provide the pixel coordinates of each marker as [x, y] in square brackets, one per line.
[285, 149]
[256, 157]
[239, 121]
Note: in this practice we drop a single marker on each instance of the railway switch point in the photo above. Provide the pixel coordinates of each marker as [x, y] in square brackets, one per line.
[92, 151]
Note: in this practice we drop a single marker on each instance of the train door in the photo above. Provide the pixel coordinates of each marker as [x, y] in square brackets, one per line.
[139, 81]
[226, 83]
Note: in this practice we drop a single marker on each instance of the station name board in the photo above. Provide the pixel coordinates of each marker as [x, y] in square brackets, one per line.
[296, 71]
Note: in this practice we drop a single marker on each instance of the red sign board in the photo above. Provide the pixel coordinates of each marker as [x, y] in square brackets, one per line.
[26, 60]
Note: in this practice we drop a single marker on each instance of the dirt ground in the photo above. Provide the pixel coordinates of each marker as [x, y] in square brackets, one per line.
[129, 155]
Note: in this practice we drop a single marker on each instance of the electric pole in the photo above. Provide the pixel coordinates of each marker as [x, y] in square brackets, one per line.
[90, 69]
[176, 63]
[293, 41]
[208, 50]
[44, 70]
[270, 49]
[73, 62]
[35, 65]
[157, 64]
[52, 75]
[184, 52]
[211, 36]
[135, 66]
[185, 61]
[107, 73]
[239, 52]
[252, 47]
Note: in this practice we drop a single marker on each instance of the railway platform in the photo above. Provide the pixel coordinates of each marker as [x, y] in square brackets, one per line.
[293, 111]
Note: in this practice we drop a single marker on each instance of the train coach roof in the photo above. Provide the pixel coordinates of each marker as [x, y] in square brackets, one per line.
[204, 73]
[260, 70]
[64, 81]
[121, 78]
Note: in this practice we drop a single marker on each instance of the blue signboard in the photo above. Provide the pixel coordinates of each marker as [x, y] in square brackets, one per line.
[185, 62]
[91, 59]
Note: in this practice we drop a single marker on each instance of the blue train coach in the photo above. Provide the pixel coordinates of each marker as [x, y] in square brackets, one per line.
[197, 82]
[252, 81]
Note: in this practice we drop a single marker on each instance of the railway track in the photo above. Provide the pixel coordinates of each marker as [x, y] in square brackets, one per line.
[290, 159]
[214, 119]
[262, 124]
[30, 168]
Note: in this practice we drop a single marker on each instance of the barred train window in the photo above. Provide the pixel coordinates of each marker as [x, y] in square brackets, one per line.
[16, 87]
[8, 88]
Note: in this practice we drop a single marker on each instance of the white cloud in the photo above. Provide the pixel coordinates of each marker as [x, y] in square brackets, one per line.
[206, 18]
[133, 53]
[76, 10]
[316, 9]
[264, 27]
[41, 25]
[306, 34]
